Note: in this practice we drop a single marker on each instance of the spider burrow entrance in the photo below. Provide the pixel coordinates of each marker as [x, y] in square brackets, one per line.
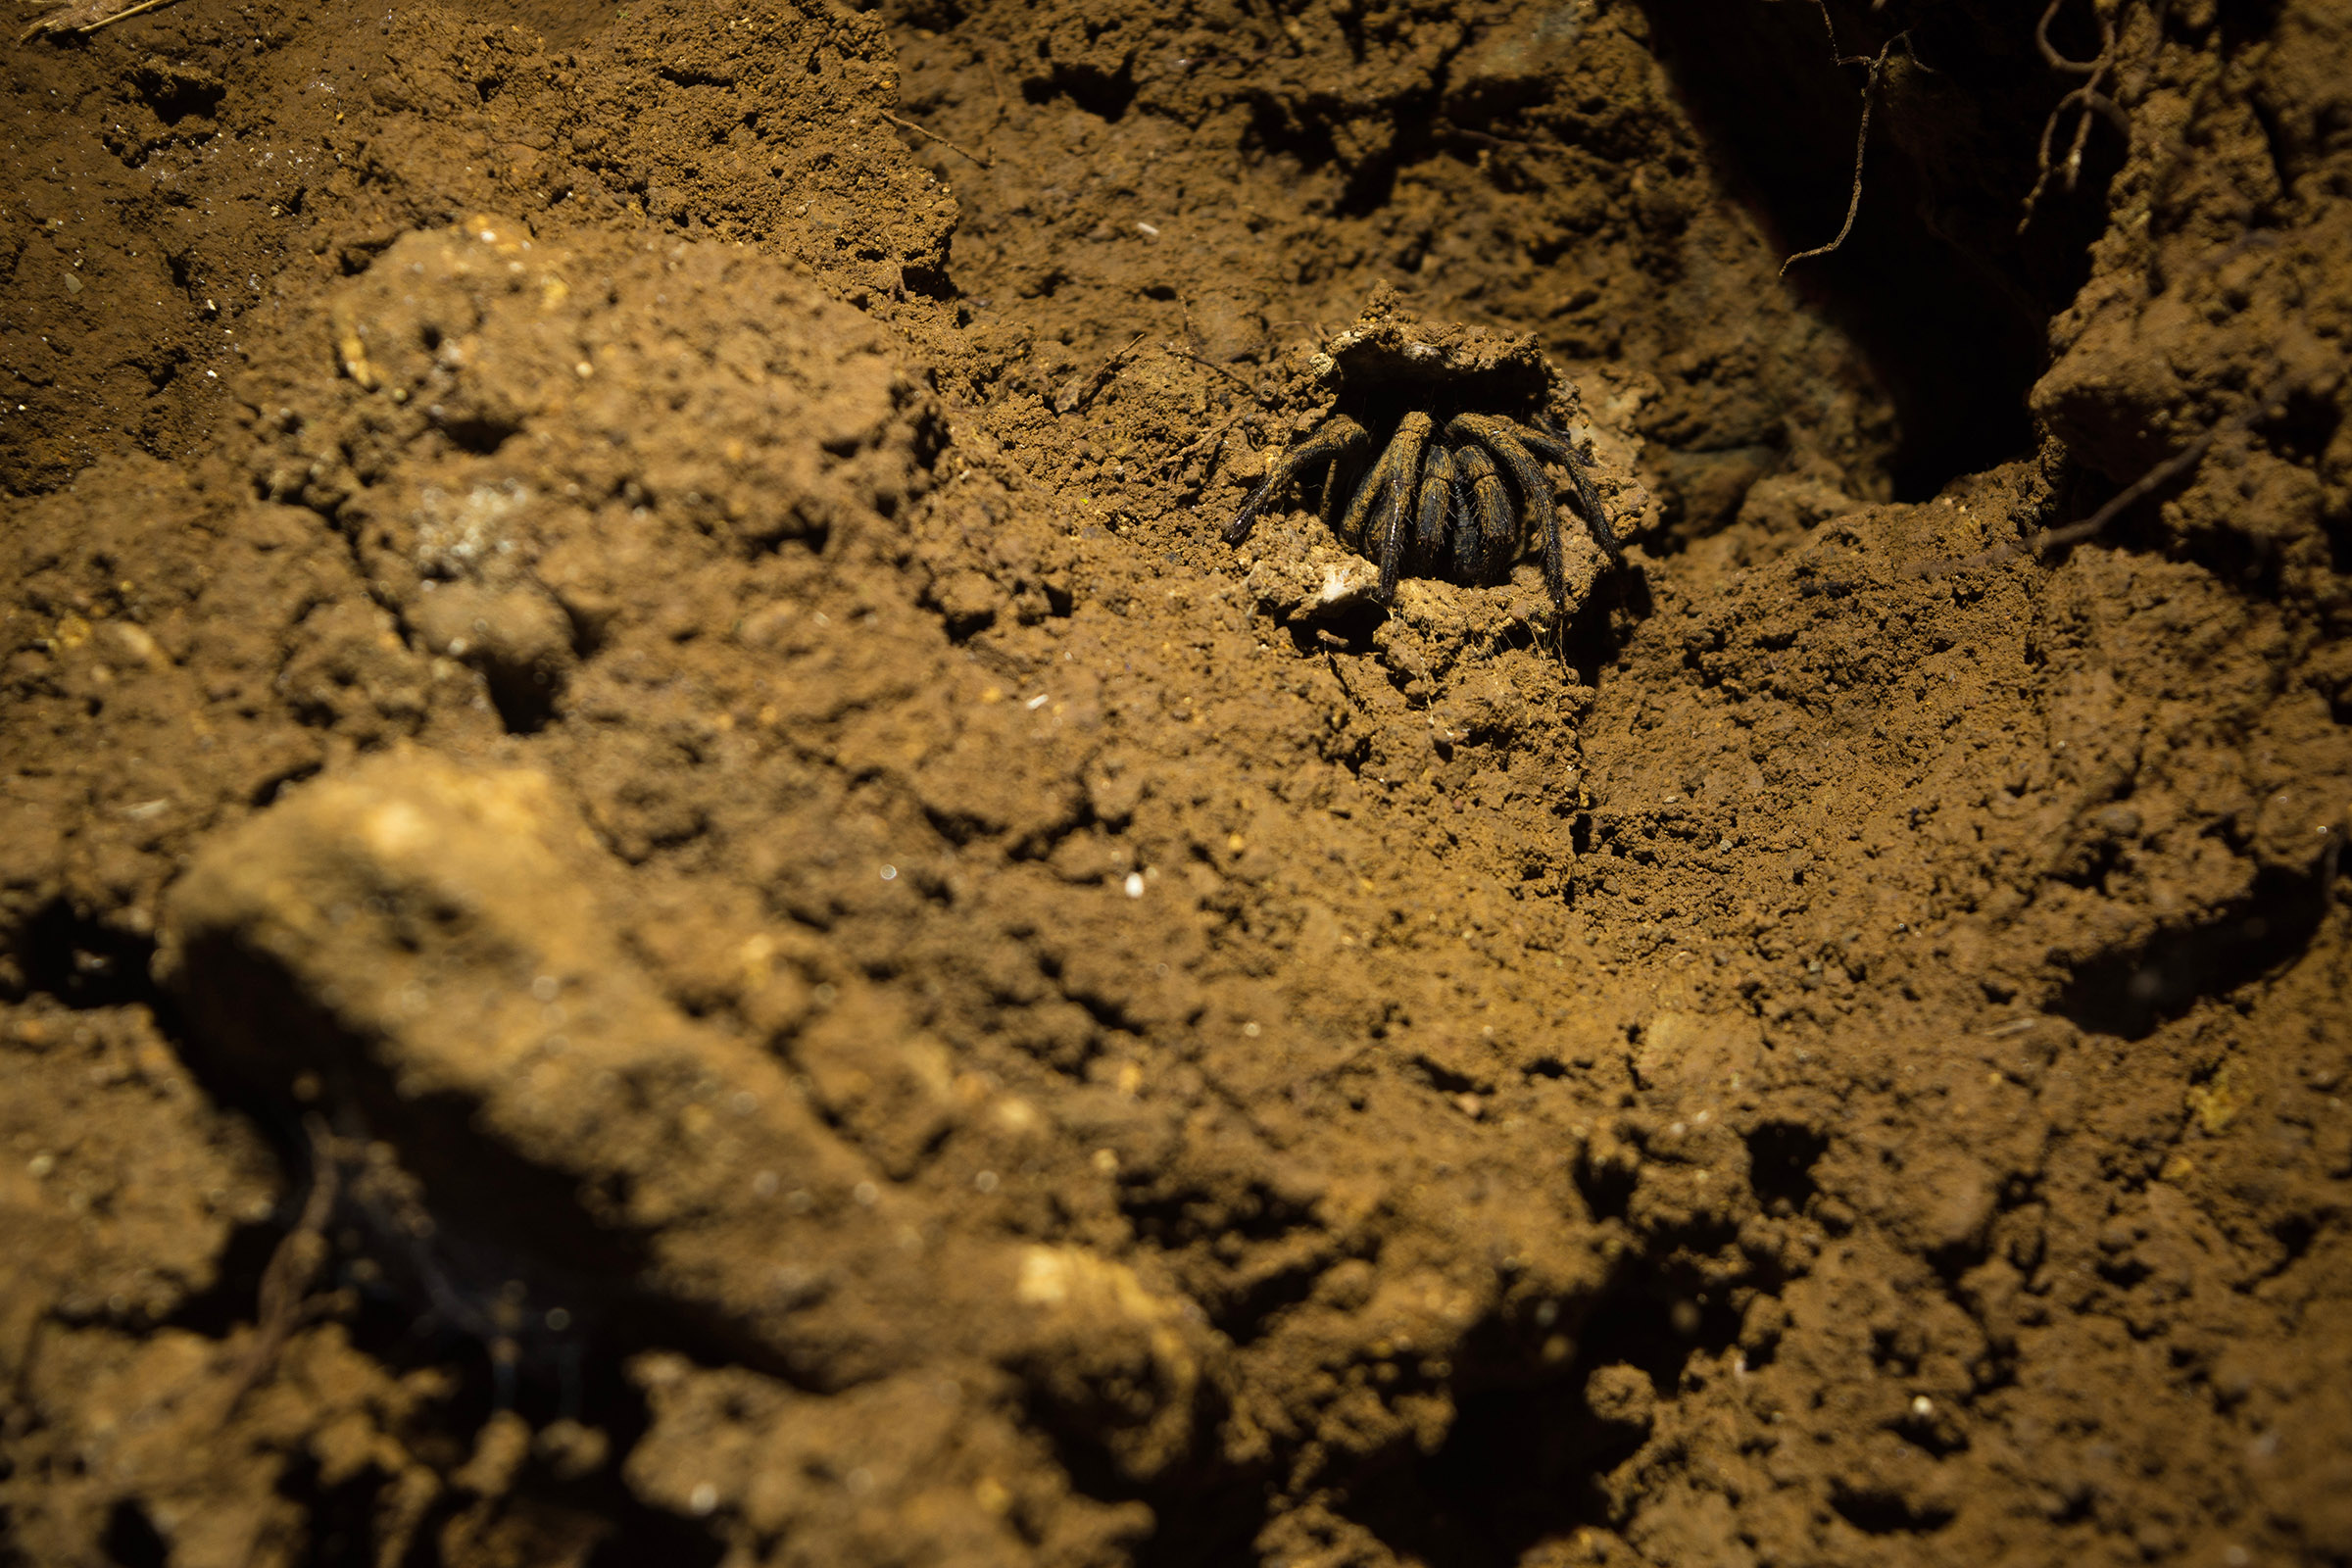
[1433, 459]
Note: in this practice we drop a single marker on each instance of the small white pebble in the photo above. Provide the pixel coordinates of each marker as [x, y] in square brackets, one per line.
[1251, 1029]
[1922, 1406]
[703, 1499]
[1135, 885]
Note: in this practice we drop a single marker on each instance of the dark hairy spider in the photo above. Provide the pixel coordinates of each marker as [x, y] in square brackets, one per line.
[1432, 462]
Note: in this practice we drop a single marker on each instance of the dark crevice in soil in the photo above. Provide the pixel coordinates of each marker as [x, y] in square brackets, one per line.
[1277, 127]
[83, 962]
[1521, 1464]
[236, 1285]
[1595, 637]
[1206, 1526]
[545, 1517]
[1780, 1156]
[337, 1517]
[1204, 1510]
[1524, 1453]
[1104, 94]
[1524, 1458]
[2131, 992]
[131, 1539]
[1882, 1510]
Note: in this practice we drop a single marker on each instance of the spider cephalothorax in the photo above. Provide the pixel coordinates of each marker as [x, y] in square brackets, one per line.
[1432, 460]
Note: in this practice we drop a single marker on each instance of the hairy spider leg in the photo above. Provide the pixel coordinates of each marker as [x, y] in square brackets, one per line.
[1481, 547]
[1333, 437]
[1552, 446]
[1390, 493]
[1436, 508]
[1341, 478]
[1534, 493]
[1353, 529]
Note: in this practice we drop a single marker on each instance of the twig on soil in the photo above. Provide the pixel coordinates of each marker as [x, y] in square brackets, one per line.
[288, 1278]
[1093, 389]
[86, 16]
[1211, 364]
[1205, 438]
[1490, 139]
[933, 135]
[2161, 474]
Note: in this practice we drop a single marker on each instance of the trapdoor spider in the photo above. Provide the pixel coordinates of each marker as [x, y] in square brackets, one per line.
[1432, 463]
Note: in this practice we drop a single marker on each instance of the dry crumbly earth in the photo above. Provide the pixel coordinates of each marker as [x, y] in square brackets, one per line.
[662, 898]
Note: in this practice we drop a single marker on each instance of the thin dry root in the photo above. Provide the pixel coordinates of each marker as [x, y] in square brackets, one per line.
[286, 1280]
[1870, 93]
[2156, 478]
[2085, 100]
[1110, 368]
[904, 124]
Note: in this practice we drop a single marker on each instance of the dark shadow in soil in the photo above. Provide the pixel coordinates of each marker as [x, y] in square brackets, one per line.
[131, 1539]
[1289, 128]
[391, 1312]
[80, 963]
[1780, 1156]
[1946, 298]
[1526, 1452]
[2131, 992]
[343, 1518]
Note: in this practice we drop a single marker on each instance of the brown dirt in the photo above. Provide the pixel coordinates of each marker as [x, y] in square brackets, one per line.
[663, 899]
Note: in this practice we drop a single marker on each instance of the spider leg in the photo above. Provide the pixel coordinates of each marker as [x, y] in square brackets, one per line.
[1398, 462]
[1403, 463]
[1330, 439]
[1481, 546]
[1498, 437]
[1436, 508]
[1553, 447]
[1339, 482]
[1394, 482]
